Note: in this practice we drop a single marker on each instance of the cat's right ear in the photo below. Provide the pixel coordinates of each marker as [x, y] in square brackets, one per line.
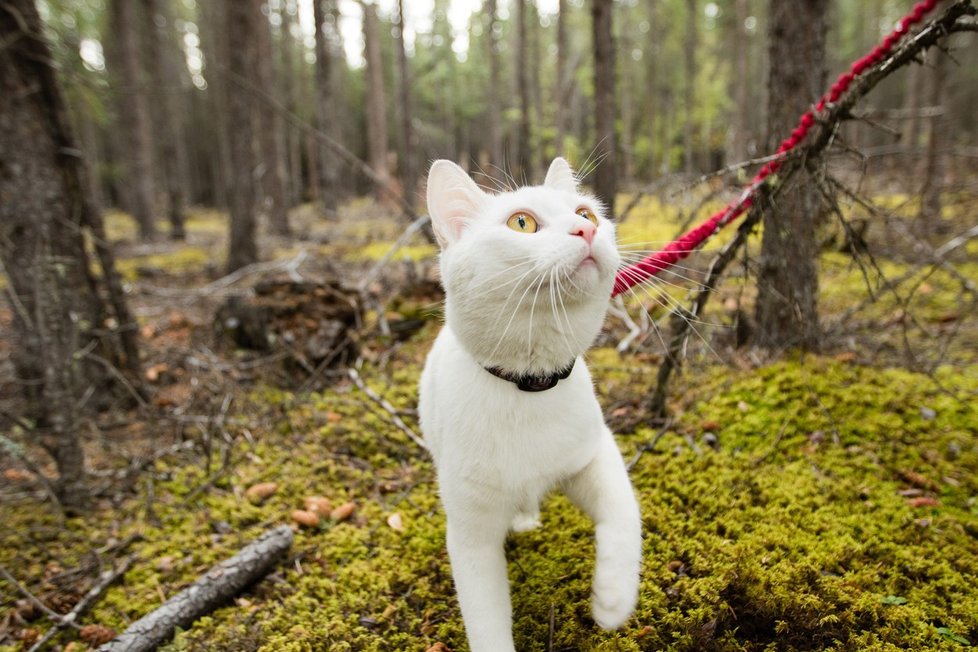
[453, 201]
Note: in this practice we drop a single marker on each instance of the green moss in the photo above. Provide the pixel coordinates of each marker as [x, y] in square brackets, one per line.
[790, 536]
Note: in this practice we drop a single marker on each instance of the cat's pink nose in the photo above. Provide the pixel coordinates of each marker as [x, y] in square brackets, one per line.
[585, 230]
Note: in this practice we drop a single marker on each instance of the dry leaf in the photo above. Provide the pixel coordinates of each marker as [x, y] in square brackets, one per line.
[305, 519]
[258, 493]
[438, 647]
[396, 522]
[924, 501]
[343, 512]
[318, 505]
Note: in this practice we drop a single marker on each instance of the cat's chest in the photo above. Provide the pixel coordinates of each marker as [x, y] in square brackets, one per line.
[480, 425]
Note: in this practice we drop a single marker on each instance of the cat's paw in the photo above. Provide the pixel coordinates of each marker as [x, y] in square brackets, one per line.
[525, 521]
[612, 603]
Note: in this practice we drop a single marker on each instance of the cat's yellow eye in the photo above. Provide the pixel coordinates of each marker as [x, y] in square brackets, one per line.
[588, 214]
[522, 222]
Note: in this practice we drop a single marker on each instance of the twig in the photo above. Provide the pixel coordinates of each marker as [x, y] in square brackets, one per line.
[48, 611]
[648, 447]
[414, 227]
[291, 266]
[382, 402]
[83, 605]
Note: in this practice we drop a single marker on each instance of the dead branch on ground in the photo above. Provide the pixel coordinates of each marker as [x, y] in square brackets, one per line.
[213, 589]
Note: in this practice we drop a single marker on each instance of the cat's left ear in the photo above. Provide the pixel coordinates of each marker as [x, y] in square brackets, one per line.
[453, 201]
[561, 177]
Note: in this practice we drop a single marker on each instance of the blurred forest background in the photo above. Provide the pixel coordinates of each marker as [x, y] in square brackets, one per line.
[495, 85]
[219, 288]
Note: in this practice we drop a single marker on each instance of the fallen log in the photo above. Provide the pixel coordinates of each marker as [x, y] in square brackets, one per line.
[212, 590]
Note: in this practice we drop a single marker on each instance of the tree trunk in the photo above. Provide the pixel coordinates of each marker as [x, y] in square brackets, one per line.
[133, 110]
[521, 169]
[46, 218]
[376, 105]
[496, 155]
[272, 162]
[288, 88]
[653, 117]
[740, 77]
[325, 107]
[215, 47]
[241, 27]
[786, 311]
[930, 193]
[606, 170]
[166, 80]
[406, 158]
[561, 82]
[689, 85]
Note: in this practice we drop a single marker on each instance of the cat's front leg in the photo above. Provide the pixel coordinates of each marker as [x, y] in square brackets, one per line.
[602, 489]
[475, 548]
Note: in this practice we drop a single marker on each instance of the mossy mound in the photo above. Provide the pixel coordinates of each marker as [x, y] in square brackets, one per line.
[833, 507]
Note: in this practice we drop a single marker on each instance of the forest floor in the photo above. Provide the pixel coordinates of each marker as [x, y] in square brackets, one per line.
[794, 502]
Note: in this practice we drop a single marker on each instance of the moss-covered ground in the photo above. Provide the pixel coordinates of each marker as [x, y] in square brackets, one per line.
[814, 502]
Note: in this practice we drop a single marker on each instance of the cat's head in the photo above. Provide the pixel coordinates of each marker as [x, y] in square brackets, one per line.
[527, 273]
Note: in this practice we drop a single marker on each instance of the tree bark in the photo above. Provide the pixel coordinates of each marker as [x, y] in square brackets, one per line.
[272, 163]
[606, 171]
[166, 80]
[241, 27]
[221, 583]
[46, 218]
[376, 105]
[133, 111]
[786, 311]
[325, 106]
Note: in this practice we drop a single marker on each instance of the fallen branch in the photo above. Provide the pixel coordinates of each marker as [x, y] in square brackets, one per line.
[216, 587]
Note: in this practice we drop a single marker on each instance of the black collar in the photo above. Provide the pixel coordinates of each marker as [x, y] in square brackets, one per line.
[527, 383]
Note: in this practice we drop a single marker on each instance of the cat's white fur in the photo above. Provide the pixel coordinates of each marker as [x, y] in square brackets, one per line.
[528, 303]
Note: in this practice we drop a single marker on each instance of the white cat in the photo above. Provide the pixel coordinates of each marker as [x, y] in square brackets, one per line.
[506, 402]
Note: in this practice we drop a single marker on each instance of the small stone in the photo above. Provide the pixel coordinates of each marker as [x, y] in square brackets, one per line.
[711, 440]
[396, 522]
[928, 414]
[742, 406]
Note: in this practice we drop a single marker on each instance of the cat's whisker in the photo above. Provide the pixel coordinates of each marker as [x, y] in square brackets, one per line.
[563, 311]
[567, 319]
[533, 306]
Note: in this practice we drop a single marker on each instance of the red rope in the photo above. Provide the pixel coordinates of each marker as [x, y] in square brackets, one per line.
[680, 248]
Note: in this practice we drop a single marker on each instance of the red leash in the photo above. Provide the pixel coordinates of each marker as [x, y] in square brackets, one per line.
[680, 248]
